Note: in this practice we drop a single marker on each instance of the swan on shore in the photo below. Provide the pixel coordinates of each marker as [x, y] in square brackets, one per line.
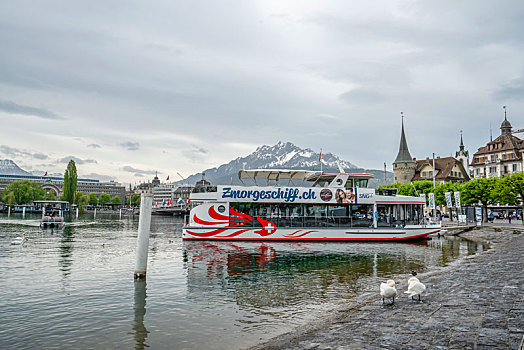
[388, 290]
[415, 287]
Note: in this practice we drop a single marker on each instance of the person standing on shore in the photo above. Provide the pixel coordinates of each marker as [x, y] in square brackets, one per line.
[509, 217]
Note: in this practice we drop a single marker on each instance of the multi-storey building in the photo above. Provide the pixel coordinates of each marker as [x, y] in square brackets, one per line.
[501, 156]
[54, 183]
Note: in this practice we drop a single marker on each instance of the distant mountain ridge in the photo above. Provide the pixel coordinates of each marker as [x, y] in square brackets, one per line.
[282, 156]
[8, 167]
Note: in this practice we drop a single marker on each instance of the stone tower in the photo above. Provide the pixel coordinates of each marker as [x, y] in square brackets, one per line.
[462, 155]
[404, 166]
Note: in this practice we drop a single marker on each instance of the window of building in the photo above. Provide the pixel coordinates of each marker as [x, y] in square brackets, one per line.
[478, 171]
[514, 167]
[492, 169]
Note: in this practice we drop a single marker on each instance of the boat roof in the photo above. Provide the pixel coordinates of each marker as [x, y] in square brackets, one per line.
[51, 202]
[276, 174]
[331, 176]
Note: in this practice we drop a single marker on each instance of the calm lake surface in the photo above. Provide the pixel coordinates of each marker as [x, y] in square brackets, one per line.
[74, 288]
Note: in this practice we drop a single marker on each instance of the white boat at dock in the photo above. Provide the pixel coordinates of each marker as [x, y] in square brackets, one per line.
[52, 213]
[337, 207]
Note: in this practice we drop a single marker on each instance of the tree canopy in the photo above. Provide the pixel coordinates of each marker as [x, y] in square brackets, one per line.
[104, 198]
[23, 192]
[93, 199]
[70, 182]
[116, 200]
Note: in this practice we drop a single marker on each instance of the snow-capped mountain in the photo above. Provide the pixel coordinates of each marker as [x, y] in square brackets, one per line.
[280, 156]
[8, 167]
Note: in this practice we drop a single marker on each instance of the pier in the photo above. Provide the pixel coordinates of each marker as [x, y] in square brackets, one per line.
[474, 303]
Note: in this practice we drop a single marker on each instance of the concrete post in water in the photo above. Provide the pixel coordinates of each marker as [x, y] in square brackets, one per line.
[23, 212]
[43, 211]
[144, 226]
[120, 213]
[95, 214]
[77, 212]
[8, 211]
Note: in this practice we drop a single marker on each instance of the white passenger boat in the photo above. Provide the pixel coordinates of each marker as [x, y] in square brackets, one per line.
[337, 207]
[52, 213]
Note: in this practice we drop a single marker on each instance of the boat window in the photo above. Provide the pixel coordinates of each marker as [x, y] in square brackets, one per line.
[349, 183]
[361, 215]
[362, 183]
[385, 215]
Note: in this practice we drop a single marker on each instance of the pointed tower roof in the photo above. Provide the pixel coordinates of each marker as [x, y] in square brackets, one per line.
[505, 127]
[403, 155]
[461, 142]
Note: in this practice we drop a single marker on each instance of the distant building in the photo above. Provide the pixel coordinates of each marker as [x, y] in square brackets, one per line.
[407, 169]
[462, 155]
[501, 156]
[447, 169]
[55, 184]
[147, 187]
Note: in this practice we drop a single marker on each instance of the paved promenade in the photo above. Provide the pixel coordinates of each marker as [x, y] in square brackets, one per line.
[475, 303]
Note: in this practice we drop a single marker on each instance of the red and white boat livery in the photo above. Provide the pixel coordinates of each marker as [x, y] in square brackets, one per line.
[337, 207]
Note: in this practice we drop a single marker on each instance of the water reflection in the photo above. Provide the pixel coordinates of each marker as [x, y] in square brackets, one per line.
[66, 251]
[140, 330]
[283, 274]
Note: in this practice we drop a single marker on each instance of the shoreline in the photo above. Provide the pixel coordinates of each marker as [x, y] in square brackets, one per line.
[449, 315]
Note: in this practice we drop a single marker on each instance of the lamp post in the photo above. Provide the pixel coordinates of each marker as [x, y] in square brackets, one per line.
[434, 185]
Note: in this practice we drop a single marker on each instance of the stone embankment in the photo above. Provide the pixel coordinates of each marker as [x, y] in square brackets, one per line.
[474, 303]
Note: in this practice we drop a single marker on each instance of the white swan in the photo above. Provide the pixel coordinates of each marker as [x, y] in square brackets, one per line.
[415, 287]
[388, 290]
[18, 240]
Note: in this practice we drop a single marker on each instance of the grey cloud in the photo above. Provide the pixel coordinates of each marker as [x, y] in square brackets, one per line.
[362, 96]
[196, 153]
[77, 160]
[11, 107]
[16, 152]
[94, 145]
[131, 146]
[512, 90]
[100, 177]
[131, 169]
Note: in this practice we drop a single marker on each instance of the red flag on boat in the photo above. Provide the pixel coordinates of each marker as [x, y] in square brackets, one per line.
[45, 173]
[320, 156]
[167, 178]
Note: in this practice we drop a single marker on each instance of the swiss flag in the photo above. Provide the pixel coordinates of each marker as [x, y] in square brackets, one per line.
[45, 173]
[167, 178]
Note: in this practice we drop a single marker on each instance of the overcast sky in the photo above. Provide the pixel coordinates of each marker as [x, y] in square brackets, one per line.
[130, 87]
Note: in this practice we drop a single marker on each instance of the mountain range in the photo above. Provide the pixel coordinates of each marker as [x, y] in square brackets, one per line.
[8, 167]
[283, 155]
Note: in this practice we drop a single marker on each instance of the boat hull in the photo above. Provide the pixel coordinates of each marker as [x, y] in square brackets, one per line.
[339, 234]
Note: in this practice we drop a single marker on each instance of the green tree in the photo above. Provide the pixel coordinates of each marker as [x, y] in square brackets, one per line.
[134, 199]
[116, 200]
[70, 182]
[23, 192]
[9, 198]
[50, 196]
[78, 197]
[480, 191]
[510, 190]
[93, 199]
[82, 204]
[104, 198]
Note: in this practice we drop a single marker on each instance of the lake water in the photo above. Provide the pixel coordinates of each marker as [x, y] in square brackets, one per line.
[74, 288]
